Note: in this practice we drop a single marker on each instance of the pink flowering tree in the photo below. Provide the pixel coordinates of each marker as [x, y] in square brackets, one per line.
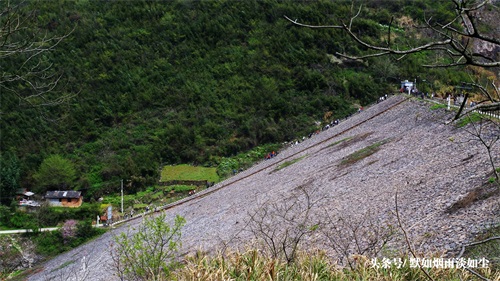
[68, 230]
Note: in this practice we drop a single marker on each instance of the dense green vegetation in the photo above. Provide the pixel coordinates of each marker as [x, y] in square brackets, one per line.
[71, 235]
[155, 83]
[43, 245]
[45, 216]
[150, 197]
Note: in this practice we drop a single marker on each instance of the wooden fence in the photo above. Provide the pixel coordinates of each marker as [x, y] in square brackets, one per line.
[494, 114]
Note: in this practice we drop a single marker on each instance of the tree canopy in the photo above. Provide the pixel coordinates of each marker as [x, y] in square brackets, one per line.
[55, 172]
[167, 82]
[9, 175]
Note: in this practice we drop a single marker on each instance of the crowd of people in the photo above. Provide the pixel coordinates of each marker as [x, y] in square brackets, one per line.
[382, 98]
[271, 155]
[333, 123]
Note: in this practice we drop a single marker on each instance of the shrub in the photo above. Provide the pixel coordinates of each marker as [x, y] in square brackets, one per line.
[85, 230]
[149, 253]
[49, 243]
[20, 220]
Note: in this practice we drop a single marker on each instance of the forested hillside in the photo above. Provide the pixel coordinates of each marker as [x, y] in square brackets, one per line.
[152, 83]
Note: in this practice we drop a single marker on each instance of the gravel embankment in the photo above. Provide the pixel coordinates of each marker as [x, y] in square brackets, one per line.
[431, 165]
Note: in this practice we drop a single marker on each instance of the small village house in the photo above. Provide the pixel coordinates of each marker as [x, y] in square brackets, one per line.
[24, 198]
[68, 198]
[23, 193]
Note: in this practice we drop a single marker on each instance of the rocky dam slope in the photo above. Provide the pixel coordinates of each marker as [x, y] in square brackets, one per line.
[341, 186]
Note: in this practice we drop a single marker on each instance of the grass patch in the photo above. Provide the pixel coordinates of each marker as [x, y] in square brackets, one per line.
[184, 188]
[288, 163]
[470, 118]
[340, 141]
[345, 142]
[352, 140]
[438, 106]
[362, 153]
[63, 265]
[255, 265]
[188, 172]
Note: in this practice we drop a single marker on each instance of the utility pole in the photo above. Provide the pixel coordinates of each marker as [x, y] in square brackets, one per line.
[122, 194]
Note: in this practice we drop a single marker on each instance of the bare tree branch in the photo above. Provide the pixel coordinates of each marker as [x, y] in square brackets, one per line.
[487, 132]
[355, 16]
[451, 41]
[476, 243]
[457, 44]
[408, 243]
[473, 244]
[282, 226]
[490, 104]
[312, 26]
[23, 45]
[355, 235]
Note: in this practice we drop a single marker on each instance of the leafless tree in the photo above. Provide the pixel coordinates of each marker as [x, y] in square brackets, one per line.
[351, 235]
[487, 132]
[405, 234]
[490, 104]
[456, 39]
[284, 225]
[25, 43]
